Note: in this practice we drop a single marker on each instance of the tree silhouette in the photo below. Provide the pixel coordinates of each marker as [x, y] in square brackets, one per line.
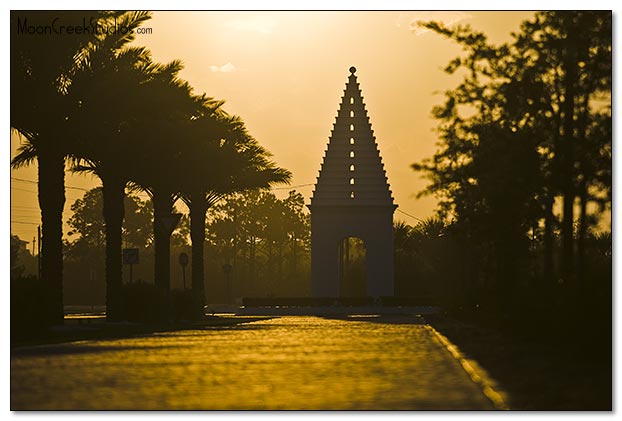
[510, 133]
[87, 226]
[571, 56]
[265, 239]
[424, 263]
[106, 91]
[42, 68]
[161, 139]
[17, 247]
[86, 222]
[112, 104]
[220, 159]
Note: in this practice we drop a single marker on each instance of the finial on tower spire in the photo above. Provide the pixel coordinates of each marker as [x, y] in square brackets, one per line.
[352, 69]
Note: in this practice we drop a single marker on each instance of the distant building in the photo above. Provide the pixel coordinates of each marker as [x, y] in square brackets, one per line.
[352, 199]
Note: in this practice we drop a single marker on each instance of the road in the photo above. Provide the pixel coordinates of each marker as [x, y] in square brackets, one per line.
[293, 362]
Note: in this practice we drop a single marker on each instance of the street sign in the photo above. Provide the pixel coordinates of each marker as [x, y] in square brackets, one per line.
[169, 222]
[130, 256]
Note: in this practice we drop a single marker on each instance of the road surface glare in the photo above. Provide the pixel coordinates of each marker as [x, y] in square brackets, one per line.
[294, 362]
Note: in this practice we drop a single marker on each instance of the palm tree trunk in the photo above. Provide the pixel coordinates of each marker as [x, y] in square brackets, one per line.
[568, 161]
[51, 188]
[198, 208]
[113, 195]
[161, 238]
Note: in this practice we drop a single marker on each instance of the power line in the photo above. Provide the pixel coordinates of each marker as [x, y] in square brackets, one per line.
[34, 182]
[24, 180]
[34, 192]
[414, 217]
[25, 207]
[27, 191]
[28, 223]
[292, 187]
[83, 189]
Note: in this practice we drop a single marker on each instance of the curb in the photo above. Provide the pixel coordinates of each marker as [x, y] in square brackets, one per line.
[476, 373]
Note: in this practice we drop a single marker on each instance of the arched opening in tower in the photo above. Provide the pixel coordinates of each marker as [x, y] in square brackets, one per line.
[352, 267]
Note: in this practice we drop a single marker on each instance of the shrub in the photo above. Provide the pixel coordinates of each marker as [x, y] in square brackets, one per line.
[145, 303]
[29, 306]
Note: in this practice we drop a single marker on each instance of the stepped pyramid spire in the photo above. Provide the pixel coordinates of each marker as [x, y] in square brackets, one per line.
[352, 173]
[351, 199]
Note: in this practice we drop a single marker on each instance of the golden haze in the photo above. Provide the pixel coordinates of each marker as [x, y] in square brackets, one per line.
[284, 74]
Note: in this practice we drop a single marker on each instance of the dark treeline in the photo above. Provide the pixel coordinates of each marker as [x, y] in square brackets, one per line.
[102, 106]
[259, 245]
[264, 240]
[85, 248]
[523, 174]
[23, 260]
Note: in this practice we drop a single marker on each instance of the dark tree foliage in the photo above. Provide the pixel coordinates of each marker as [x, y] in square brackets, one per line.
[221, 158]
[18, 253]
[48, 103]
[84, 278]
[525, 145]
[114, 112]
[88, 228]
[105, 95]
[266, 241]
[42, 68]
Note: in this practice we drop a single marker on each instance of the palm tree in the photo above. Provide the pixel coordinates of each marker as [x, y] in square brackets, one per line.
[155, 105]
[222, 158]
[111, 88]
[42, 68]
[171, 105]
[204, 184]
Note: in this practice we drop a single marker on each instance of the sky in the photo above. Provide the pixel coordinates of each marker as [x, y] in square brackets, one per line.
[284, 74]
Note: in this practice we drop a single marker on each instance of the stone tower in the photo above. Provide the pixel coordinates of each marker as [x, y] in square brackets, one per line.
[352, 199]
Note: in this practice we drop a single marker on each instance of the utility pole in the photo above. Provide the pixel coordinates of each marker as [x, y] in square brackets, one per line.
[39, 252]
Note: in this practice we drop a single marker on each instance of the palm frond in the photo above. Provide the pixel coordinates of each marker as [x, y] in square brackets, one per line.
[129, 20]
[26, 154]
[136, 187]
[101, 47]
[84, 165]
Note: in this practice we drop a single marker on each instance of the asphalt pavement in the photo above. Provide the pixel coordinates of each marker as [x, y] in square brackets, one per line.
[355, 362]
